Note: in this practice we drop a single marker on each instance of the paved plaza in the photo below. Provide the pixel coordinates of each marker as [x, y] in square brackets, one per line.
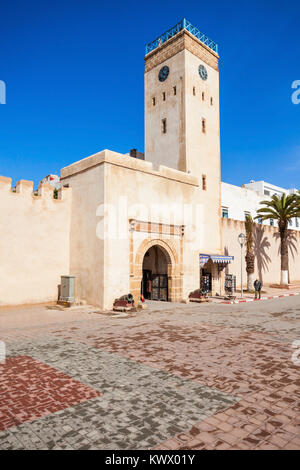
[174, 376]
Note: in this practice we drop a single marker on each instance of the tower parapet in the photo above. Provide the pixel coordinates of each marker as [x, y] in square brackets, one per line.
[167, 45]
[184, 24]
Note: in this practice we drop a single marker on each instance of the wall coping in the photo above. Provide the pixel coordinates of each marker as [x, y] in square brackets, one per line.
[125, 161]
[269, 228]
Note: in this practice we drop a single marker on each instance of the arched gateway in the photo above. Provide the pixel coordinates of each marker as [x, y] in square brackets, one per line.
[156, 271]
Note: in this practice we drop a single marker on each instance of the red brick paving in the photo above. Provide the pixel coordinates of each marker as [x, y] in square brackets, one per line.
[30, 389]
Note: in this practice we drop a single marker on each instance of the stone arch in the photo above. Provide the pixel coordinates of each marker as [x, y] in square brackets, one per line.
[174, 278]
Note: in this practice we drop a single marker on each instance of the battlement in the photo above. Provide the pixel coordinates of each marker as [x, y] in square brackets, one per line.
[25, 188]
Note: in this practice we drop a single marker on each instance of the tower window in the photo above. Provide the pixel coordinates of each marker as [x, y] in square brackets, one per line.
[174, 90]
[203, 96]
[194, 91]
[211, 101]
[164, 96]
[204, 182]
[203, 125]
[164, 126]
[153, 101]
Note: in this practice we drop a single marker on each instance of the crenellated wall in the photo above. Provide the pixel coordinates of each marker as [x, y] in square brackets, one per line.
[266, 249]
[34, 241]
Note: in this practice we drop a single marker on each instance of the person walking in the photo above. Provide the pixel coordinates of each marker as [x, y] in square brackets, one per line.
[257, 287]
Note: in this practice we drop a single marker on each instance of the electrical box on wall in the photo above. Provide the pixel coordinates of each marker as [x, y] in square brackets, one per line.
[67, 292]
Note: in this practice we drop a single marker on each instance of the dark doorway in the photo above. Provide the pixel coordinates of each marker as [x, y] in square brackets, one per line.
[206, 283]
[155, 278]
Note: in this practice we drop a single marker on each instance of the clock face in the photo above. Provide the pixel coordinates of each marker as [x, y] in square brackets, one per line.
[163, 73]
[202, 72]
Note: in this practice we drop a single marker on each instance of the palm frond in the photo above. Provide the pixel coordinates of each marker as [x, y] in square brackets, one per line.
[281, 208]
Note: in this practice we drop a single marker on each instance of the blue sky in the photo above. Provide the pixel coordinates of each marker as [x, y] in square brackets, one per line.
[74, 78]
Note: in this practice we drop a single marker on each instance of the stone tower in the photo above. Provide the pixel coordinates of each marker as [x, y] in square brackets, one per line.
[182, 102]
[182, 121]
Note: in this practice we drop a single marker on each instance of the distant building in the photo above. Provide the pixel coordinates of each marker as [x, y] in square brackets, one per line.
[54, 180]
[238, 202]
[268, 189]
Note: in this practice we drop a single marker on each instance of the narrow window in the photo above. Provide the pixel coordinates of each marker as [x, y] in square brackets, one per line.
[204, 182]
[211, 101]
[225, 212]
[203, 96]
[203, 126]
[259, 220]
[164, 96]
[272, 222]
[164, 126]
[194, 91]
[174, 90]
[153, 101]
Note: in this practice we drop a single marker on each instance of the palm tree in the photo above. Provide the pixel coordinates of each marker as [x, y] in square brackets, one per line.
[282, 209]
[249, 227]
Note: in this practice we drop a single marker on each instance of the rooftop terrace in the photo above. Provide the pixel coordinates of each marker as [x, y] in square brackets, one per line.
[183, 24]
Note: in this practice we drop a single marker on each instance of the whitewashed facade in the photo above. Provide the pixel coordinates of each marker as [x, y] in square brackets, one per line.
[238, 201]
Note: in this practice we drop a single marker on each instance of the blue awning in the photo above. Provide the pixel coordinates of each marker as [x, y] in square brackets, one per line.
[218, 259]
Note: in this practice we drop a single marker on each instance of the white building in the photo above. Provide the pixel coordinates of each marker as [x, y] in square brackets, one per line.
[238, 202]
[54, 180]
[268, 189]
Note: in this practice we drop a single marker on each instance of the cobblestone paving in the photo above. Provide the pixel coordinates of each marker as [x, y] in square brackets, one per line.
[175, 377]
[275, 317]
[140, 406]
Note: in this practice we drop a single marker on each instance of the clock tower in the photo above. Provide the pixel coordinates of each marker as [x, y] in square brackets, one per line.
[182, 104]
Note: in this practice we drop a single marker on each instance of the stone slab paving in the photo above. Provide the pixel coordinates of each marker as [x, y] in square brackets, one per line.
[173, 377]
